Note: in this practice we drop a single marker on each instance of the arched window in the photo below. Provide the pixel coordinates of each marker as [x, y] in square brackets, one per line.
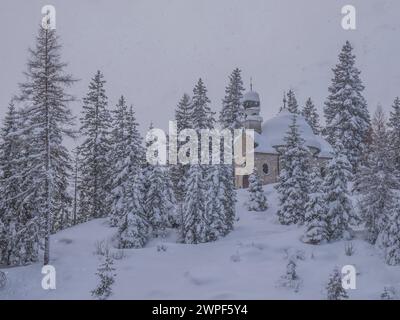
[265, 168]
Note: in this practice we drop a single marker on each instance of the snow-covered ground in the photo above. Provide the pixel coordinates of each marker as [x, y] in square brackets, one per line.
[247, 264]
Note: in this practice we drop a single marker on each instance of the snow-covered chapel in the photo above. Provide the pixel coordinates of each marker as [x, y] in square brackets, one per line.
[269, 140]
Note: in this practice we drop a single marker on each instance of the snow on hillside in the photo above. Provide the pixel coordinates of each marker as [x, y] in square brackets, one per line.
[247, 264]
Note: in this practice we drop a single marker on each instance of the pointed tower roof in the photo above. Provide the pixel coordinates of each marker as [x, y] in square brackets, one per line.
[251, 95]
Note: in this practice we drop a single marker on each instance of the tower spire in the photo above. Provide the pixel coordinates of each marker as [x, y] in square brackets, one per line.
[251, 83]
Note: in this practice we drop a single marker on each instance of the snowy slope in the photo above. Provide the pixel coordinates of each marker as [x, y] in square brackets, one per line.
[245, 265]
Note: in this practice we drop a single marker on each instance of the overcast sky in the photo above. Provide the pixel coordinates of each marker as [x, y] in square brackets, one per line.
[153, 51]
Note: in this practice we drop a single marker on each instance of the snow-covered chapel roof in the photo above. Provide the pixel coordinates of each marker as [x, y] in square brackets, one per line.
[275, 129]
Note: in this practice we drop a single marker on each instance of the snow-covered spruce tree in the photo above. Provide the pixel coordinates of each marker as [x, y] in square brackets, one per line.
[375, 179]
[389, 238]
[118, 155]
[213, 209]
[48, 122]
[394, 134]
[106, 275]
[94, 151]
[346, 113]
[146, 170]
[202, 116]
[195, 225]
[231, 115]
[9, 153]
[183, 118]
[133, 230]
[293, 184]
[170, 198]
[62, 218]
[291, 279]
[198, 214]
[128, 212]
[228, 196]
[334, 288]
[310, 113]
[220, 197]
[183, 113]
[18, 226]
[76, 179]
[340, 214]
[316, 210]
[257, 200]
[292, 105]
[118, 134]
[159, 200]
[219, 200]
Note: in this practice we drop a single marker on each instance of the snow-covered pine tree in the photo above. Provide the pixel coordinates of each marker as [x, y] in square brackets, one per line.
[220, 200]
[183, 113]
[133, 230]
[394, 134]
[170, 198]
[316, 210]
[340, 214]
[292, 105]
[310, 113]
[194, 228]
[346, 113]
[202, 116]
[18, 226]
[106, 275]
[231, 115]
[48, 122]
[127, 170]
[9, 153]
[389, 238]
[375, 179]
[334, 288]
[183, 118]
[291, 272]
[118, 134]
[197, 215]
[228, 196]
[94, 152]
[62, 217]
[291, 279]
[131, 219]
[213, 209]
[133, 131]
[118, 155]
[293, 184]
[158, 200]
[218, 212]
[76, 179]
[257, 200]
